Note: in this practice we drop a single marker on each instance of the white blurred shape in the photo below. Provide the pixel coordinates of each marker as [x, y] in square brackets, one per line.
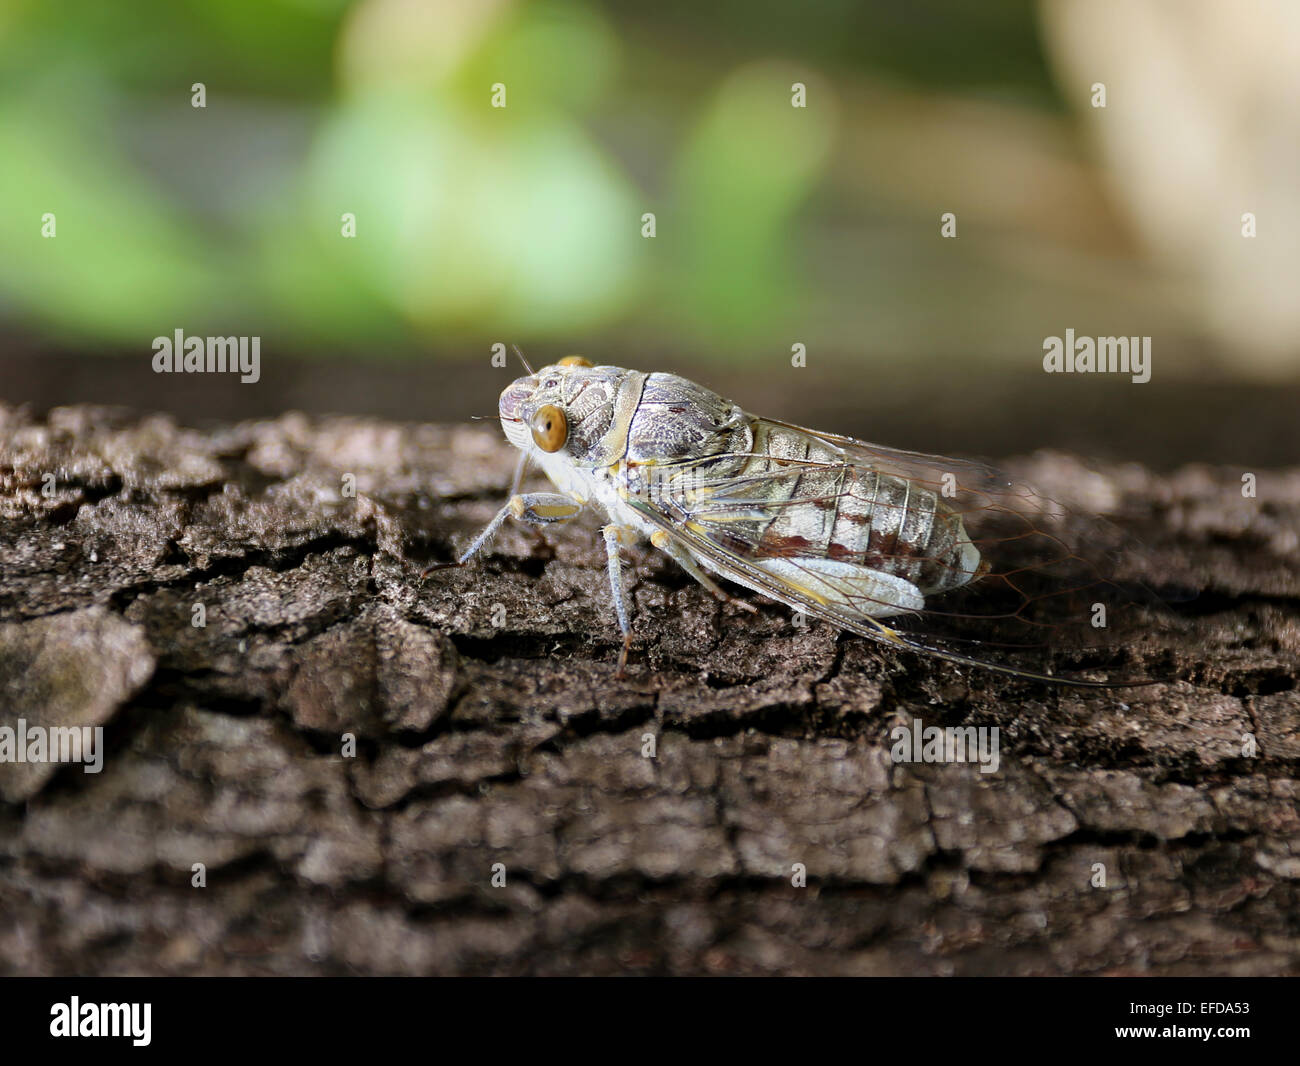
[1202, 124]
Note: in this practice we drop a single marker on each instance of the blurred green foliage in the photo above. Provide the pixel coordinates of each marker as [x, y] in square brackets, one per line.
[471, 220]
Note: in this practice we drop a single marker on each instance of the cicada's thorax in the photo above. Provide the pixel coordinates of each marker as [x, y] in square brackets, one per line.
[694, 453]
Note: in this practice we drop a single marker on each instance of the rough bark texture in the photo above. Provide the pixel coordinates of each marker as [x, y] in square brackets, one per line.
[491, 730]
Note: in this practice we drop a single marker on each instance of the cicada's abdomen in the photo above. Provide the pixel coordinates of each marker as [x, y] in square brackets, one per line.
[769, 492]
[858, 515]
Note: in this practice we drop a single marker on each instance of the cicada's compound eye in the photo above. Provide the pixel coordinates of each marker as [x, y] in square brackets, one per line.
[550, 428]
[574, 360]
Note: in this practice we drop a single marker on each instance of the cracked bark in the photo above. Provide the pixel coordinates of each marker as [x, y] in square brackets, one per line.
[480, 744]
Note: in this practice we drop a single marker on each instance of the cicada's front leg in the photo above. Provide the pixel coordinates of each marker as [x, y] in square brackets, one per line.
[535, 508]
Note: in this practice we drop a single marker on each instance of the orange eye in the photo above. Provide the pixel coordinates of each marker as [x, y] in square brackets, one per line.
[574, 360]
[550, 428]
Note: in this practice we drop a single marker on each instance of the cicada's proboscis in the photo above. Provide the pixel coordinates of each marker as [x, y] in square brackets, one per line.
[942, 556]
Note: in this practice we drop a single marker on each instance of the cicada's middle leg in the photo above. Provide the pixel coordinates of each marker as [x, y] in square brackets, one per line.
[614, 536]
[535, 508]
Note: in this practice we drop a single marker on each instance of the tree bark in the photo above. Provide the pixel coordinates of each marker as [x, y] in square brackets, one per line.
[503, 812]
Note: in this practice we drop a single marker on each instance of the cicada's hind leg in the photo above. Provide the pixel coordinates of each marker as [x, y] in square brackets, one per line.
[535, 508]
[661, 540]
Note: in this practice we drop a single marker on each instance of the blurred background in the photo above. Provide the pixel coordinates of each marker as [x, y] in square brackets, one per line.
[774, 225]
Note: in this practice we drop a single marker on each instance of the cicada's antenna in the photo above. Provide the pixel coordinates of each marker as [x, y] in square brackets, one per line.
[522, 359]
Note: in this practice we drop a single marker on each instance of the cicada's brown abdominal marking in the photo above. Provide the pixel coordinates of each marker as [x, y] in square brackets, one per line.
[849, 532]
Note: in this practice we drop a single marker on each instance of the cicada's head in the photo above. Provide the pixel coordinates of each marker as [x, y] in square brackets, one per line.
[566, 408]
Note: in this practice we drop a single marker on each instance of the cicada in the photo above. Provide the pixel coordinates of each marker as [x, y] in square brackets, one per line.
[942, 556]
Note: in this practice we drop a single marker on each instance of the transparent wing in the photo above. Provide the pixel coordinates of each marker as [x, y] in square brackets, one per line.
[1053, 590]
